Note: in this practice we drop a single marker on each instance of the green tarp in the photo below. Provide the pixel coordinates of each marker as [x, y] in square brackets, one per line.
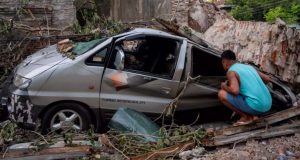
[82, 47]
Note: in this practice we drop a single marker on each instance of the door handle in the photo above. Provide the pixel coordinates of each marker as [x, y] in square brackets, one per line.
[148, 78]
[166, 90]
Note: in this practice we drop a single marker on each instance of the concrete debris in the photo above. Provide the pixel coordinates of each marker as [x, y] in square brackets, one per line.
[275, 149]
[194, 153]
[166, 152]
[65, 46]
[273, 47]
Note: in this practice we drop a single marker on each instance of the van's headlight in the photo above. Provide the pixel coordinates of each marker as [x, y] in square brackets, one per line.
[21, 82]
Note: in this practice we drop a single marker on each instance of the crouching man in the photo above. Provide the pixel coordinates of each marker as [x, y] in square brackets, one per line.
[245, 91]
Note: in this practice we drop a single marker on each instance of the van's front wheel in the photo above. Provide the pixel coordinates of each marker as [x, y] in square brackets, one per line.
[66, 116]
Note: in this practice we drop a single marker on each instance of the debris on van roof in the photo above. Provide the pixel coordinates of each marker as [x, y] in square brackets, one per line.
[65, 45]
[72, 49]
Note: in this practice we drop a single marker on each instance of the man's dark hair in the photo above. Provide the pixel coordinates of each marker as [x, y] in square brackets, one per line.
[229, 55]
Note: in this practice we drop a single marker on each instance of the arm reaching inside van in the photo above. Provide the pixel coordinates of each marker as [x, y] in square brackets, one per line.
[264, 77]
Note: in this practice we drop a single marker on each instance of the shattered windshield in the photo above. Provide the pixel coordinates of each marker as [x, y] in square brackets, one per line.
[69, 47]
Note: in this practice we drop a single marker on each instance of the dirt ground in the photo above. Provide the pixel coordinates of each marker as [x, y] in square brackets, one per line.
[283, 148]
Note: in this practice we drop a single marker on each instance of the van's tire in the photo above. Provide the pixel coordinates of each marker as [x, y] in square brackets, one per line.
[54, 116]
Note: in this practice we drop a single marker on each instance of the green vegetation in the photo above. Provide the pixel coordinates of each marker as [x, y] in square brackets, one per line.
[90, 20]
[289, 15]
[130, 144]
[5, 27]
[242, 13]
[266, 10]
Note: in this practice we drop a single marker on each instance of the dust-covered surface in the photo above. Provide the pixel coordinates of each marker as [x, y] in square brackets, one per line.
[282, 148]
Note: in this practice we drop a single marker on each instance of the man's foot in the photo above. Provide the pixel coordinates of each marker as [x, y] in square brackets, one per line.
[241, 123]
[245, 120]
[255, 118]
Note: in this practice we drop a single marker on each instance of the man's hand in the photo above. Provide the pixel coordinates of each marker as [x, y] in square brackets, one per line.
[223, 85]
[264, 77]
[232, 85]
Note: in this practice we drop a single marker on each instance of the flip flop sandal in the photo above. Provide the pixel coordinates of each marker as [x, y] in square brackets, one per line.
[241, 123]
[255, 118]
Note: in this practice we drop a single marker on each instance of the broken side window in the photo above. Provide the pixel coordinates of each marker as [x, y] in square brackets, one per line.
[150, 55]
[208, 66]
[98, 58]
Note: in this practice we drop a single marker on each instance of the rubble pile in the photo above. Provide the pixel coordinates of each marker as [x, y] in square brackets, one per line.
[273, 47]
[277, 148]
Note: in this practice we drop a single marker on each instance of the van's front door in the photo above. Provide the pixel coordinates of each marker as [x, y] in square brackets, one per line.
[146, 82]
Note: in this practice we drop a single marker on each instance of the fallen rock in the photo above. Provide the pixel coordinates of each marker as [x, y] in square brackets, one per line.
[185, 155]
[194, 153]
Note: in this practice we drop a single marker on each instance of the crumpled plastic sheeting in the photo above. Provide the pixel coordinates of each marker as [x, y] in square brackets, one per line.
[127, 120]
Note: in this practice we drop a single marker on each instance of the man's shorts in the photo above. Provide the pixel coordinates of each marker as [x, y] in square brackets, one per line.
[239, 102]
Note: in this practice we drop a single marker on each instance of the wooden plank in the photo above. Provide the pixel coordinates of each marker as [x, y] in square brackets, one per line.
[52, 156]
[257, 134]
[48, 151]
[262, 122]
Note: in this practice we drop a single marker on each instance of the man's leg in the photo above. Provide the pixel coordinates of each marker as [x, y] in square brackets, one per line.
[223, 98]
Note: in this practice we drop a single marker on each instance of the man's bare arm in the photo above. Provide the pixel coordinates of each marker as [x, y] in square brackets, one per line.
[264, 77]
[233, 86]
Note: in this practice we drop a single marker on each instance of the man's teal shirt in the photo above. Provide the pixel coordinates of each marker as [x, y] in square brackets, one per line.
[252, 87]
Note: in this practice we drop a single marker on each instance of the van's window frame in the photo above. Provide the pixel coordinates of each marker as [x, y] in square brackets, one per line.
[167, 77]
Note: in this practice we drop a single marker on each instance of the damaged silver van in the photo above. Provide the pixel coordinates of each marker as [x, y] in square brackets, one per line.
[143, 69]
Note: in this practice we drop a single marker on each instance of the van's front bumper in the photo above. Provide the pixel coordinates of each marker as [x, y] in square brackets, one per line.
[20, 109]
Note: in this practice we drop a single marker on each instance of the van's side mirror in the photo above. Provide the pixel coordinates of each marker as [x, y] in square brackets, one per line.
[120, 59]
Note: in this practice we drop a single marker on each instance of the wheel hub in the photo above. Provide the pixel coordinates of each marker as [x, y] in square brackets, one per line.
[66, 119]
[66, 124]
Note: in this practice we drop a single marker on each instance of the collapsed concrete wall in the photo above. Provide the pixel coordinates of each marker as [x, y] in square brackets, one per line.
[274, 47]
